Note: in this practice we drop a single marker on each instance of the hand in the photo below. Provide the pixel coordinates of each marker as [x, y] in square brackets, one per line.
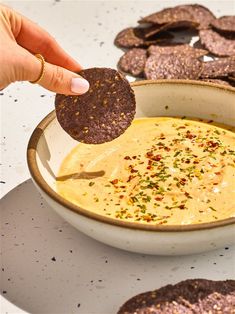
[20, 39]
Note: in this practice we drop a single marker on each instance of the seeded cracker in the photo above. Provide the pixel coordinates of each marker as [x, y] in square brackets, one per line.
[193, 296]
[200, 14]
[169, 26]
[133, 61]
[218, 68]
[128, 39]
[176, 49]
[134, 37]
[217, 44]
[168, 15]
[195, 15]
[225, 24]
[101, 114]
[172, 67]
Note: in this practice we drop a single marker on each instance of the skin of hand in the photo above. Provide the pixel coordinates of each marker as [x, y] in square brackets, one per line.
[20, 39]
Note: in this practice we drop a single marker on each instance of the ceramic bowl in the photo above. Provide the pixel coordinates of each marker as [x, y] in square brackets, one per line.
[49, 144]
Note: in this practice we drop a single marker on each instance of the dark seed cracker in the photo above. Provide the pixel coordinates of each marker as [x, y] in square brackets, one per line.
[169, 26]
[128, 39]
[168, 15]
[172, 67]
[200, 14]
[216, 43]
[176, 49]
[225, 24]
[189, 296]
[101, 114]
[218, 68]
[133, 61]
[134, 37]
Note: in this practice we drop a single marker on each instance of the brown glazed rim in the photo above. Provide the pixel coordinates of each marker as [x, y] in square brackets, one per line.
[38, 178]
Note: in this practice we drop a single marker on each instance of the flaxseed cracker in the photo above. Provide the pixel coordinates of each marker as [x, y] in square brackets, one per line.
[176, 49]
[172, 67]
[219, 68]
[134, 37]
[189, 296]
[133, 61]
[225, 24]
[217, 44]
[101, 114]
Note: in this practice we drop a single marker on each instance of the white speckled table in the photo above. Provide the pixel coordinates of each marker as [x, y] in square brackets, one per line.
[46, 265]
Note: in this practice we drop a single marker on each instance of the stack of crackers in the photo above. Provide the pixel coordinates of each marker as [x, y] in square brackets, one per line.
[153, 52]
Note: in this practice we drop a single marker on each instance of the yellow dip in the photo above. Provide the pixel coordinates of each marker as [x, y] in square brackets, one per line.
[160, 171]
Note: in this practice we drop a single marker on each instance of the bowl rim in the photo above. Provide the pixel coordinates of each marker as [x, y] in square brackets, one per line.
[42, 184]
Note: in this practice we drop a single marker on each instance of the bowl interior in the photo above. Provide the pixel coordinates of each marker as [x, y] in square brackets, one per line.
[49, 143]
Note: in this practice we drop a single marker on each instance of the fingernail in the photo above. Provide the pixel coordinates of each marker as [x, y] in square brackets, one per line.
[79, 85]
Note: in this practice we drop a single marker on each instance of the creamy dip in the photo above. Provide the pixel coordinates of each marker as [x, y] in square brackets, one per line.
[160, 171]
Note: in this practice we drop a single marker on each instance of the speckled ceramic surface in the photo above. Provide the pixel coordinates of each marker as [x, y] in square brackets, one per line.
[47, 266]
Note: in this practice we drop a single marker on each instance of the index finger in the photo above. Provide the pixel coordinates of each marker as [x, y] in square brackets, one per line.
[35, 39]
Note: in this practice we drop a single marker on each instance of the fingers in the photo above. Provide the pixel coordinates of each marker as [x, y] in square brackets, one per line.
[35, 39]
[59, 73]
[60, 80]
[26, 67]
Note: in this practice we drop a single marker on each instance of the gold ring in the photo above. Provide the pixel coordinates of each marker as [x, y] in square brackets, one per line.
[42, 72]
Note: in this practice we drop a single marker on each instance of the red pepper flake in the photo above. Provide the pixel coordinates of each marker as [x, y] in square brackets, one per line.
[149, 167]
[187, 161]
[157, 157]
[218, 173]
[212, 144]
[121, 196]
[149, 154]
[130, 178]
[115, 181]
[127, 157]
[182, 206]
[167, 149]
[158, 198]
[134, 157]
[182, 181]
[189, 135]
[133, 170]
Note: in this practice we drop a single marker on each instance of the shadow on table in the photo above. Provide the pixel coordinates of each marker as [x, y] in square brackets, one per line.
[49, 267]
